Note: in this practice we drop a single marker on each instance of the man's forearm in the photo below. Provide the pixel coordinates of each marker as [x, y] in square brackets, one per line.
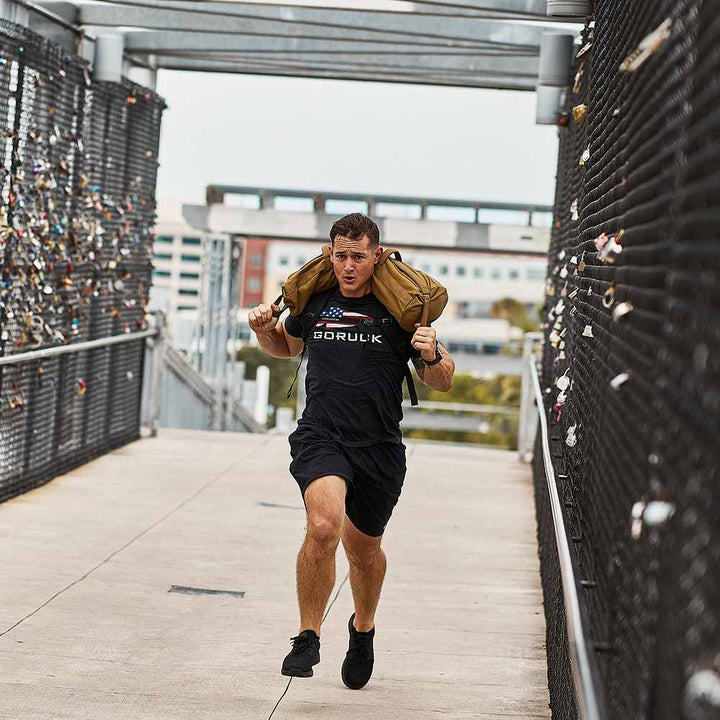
[273, 343]
[440, 376]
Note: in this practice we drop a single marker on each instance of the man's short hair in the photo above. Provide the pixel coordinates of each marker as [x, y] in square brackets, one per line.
[356, 226]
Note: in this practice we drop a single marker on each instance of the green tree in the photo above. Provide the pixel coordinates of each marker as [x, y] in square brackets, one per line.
[515, 313]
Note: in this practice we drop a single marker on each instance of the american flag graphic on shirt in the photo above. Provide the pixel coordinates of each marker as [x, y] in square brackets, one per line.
[336, 317]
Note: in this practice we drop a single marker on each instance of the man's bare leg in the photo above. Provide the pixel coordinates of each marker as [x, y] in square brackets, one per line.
[367, 571]
[325, 502]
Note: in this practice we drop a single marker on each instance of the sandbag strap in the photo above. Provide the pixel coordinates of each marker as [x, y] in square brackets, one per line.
[425, 311]
[297, 370]
[387, 253]
[277, 302]
[306, 335]
[411, 386]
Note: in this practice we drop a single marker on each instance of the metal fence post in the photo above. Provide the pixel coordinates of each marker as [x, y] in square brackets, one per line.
[528, 415]
[157, 345]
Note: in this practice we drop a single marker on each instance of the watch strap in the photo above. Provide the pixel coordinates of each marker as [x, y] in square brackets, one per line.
[438, 357]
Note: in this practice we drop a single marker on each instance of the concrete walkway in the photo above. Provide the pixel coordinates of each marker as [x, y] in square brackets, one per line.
[89, 626]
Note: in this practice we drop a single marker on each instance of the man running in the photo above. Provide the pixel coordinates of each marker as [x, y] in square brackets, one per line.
[347, 452]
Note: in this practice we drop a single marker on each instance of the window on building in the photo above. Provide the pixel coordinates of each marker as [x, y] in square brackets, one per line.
[254, 284]
[513, 274]
[496, 273]
[190, 258]
[284, 260]
[344, 207]
[192, 241]
[161, 273]
[164, 238]
[294, 204]
[187, 291]
[163, 256]
[535, 274]
[301, 261]
[504, 217]
[453, 214]
[460, 270]
[443, 269]
[542, 219]
[256, 260]
[187, 307]
[478, 272]
[190, 275]
[397, 210]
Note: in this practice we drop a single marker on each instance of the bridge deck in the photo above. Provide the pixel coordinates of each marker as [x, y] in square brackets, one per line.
[88, 628]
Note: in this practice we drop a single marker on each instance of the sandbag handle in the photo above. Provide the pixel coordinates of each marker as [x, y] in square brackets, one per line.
[425, 312]
[387, 253]
[278, 313]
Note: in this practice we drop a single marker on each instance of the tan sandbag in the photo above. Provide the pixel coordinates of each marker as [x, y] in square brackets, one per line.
[411, 296]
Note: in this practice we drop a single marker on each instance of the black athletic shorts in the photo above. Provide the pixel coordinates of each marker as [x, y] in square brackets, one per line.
[374, 475]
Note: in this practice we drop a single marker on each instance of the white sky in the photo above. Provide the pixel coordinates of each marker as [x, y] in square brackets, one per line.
[352, 137]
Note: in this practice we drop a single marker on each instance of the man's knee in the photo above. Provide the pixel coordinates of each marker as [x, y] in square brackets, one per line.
[325, 502]
[324, 529]
[363, 559]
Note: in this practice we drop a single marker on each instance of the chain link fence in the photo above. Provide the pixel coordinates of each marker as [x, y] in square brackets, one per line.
[78, 174]
[631, 365]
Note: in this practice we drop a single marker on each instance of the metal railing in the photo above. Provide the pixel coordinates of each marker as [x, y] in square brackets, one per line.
[532, 345]
[73, 403]
[586, 684]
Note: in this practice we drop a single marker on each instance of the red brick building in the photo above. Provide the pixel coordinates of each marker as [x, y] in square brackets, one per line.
[252, 273]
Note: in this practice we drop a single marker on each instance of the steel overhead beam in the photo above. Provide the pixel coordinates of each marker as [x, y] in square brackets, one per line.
[535, 8]
[405, 78]
[498, 9]
[270, 21]
[369, 59]
[520, 68]
[352, 26]
[158, 41]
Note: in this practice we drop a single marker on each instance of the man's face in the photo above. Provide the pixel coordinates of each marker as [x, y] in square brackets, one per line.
[353, 262]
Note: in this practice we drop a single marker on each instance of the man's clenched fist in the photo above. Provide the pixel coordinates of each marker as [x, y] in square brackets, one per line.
[425, 340]
[263, 318]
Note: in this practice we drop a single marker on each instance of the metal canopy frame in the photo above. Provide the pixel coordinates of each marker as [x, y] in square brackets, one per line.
[467, 43]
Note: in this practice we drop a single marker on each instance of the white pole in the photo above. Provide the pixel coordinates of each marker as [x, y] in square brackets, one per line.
[262, 385]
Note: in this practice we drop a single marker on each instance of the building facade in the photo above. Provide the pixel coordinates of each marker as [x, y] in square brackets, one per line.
[177, 262]
[489, 252]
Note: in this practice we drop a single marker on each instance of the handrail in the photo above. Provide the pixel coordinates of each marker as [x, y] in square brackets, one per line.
[465, 407]
[188, 374]
[582, 659]
[77, 347]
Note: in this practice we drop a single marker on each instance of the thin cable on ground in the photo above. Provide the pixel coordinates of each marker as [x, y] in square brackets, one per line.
[340, 587]
[287, 687]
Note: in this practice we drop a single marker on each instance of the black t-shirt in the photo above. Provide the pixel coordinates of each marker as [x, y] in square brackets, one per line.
[355, 370]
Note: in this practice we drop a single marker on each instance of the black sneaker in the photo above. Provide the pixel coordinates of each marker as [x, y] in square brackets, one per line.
[305, 654]
[358, 665]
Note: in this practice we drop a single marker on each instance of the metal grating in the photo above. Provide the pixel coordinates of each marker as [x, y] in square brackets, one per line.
[633, 303]
[79, 164]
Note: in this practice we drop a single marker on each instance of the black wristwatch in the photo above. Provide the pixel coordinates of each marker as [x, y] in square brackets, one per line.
[438, 357]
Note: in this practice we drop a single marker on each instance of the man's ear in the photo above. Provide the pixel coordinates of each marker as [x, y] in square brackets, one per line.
[378, 254]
